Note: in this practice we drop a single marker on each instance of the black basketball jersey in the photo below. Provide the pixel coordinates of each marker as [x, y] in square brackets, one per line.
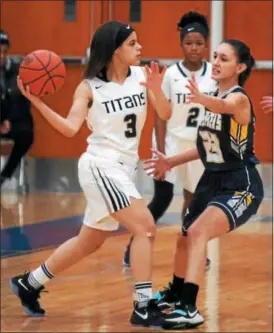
[223, 144]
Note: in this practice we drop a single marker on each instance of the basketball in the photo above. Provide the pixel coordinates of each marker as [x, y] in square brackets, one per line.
[43, 71]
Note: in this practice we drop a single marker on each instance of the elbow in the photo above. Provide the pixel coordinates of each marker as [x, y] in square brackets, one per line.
[69, 132]
[165, 115]
[69, 135]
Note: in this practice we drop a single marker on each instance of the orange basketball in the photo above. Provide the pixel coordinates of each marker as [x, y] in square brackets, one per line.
[43, 71]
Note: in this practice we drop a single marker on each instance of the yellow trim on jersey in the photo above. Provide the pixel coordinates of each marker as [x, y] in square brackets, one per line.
[248, 199]
[238, 132]
[233, 128]
[244, 132]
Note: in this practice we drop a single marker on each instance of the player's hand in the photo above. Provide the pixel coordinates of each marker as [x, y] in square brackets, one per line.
[195, 94]
[154, 77]
[25, 90]
[157, 166]
[5, 127]
[267, 104]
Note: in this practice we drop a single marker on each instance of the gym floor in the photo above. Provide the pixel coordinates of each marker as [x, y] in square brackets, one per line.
[95, 295]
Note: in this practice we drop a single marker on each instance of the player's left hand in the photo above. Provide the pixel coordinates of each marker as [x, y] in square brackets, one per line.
[154, 77]
[195, 94]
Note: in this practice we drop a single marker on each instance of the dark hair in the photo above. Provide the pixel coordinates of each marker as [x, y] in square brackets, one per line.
[244, 57]
[193, 18]
[104, 42]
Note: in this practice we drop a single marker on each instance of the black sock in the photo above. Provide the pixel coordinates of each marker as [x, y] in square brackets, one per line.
[178, 284]
[190, 292]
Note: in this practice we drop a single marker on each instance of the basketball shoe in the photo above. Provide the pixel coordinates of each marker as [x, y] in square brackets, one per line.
[27, 295]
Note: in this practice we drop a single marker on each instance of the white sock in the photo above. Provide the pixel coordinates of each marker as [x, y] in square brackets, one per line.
[143, 292]
[40, 276]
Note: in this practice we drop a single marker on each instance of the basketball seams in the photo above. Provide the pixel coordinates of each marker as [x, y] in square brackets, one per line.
[40, 69]
[50, 78]
[47, 74]
[44, 67]
[38, 78]
[52, 82]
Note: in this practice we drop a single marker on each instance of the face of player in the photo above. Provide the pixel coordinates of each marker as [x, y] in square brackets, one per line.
[3, 54]
[225, 65]
[194, 46]
[129, 52]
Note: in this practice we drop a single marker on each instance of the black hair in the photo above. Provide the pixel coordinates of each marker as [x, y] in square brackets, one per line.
[107, 38]
[193, 18]
[244, 56]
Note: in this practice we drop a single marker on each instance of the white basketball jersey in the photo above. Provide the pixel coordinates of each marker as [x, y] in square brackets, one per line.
[117, 116]
[186, 117]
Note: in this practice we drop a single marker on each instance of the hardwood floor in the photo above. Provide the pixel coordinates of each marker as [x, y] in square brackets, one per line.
[95, 295]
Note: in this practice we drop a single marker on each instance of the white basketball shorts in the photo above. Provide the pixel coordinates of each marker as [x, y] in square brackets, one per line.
[108, 186]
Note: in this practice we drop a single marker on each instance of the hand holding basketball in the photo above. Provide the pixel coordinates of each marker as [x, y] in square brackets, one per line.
[43, 72]
[25, 90]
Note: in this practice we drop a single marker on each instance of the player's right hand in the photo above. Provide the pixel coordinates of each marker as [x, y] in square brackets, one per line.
[157, 166]
[25, 90]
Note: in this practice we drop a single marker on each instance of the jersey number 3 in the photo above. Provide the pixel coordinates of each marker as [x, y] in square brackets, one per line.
[130, 121]
[193, 114]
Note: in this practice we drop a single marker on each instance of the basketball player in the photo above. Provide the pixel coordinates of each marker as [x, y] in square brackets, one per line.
[180, 132]
[230, 189]
[113, 99]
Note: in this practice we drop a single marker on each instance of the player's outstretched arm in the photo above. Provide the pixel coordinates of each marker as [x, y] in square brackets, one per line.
[159, 164]
[70, 125]
[236, 104]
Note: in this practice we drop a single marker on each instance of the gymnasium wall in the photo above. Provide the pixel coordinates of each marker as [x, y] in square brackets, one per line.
[41, 24]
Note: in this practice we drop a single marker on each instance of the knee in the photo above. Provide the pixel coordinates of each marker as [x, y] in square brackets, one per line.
[161, 201]
[196, 234]
[146, 227]
[163, 192]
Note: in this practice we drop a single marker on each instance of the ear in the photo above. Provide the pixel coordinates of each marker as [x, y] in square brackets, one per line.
[241, 68]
